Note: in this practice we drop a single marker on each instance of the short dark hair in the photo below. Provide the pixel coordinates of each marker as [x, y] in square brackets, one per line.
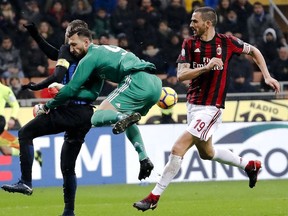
[81, 32]
[77, 23]
[208, 13]
[74, 26]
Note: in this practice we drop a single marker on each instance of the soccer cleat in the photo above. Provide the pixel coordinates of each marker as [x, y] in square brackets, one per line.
[126, 122]
[146, 166]
[38, 157]
[252, 169]
[18, 187]
[68, 213]
[150, 202]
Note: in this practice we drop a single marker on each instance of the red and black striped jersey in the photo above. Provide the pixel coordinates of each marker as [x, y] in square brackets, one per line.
[210, 88]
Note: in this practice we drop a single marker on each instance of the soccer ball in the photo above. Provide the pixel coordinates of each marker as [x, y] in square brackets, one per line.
[168, 98]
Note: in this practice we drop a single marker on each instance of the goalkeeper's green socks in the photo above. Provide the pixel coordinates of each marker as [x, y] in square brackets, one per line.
[108, 117]
[134, 135]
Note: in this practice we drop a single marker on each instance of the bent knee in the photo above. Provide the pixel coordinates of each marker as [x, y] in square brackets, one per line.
[178, 150]
[95, 119]
[21, 132]
[206, 156]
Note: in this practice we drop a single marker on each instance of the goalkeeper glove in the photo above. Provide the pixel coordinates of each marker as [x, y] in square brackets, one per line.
[54, 88]
[56, 85]
[40, 109]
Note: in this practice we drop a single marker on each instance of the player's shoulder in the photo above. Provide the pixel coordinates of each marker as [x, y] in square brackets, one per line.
[6, 91]
[191, 38]
[64, 53]
[228, 37]
[4, 87]
[64, 47]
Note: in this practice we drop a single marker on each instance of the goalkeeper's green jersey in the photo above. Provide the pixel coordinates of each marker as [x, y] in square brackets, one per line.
[105, 62]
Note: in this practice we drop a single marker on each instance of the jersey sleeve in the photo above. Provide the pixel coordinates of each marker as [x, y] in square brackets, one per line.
[239, 46]
[184, 56]
[13, 103]
[80, 76]
[92, 92]
[65, 57]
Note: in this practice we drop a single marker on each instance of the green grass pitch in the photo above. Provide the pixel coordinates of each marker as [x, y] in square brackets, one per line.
[221, 198]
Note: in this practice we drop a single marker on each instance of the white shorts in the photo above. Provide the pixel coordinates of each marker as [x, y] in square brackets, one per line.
[203, 120]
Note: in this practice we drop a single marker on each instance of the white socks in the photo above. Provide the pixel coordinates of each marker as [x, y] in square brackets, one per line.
[170, 170]
[225, 156]
[173, 166]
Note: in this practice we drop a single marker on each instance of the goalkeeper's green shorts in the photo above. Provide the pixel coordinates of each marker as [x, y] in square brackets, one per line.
[137, 92]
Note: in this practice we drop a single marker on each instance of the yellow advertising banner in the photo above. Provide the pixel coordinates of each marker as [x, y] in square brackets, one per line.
[235, 111]
[266, 2]
[259, 110]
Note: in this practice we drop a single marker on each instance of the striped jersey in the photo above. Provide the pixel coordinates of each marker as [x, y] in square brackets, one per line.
[210, 88]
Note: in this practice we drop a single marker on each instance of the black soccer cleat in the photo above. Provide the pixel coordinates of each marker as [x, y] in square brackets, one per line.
[252, 169]
[126, 122]
[18, 187]
[68, 213]
[150, 202]
[38, 157]
[146, 166]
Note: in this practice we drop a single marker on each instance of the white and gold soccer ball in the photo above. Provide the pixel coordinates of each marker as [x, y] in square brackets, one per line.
[168, 98]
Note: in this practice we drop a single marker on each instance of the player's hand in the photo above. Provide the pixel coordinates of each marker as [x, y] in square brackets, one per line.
[56, 85]
[54, 88]
[40, 109]
[215, 63]
[32, 29]
[11, 123]
[273, 83]
[31, 86]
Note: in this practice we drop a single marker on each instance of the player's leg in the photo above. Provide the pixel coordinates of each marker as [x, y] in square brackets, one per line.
[41, 125]
[70, 150]
[210, 119]
[6, 150]
[10, 146]
[107, 114]
[8, 139]
[136, 94]
[181, 146]
[134, 136]
[251, 167]
[73, 140]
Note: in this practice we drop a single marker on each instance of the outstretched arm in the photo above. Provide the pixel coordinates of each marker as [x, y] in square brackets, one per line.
[260, 61]
[49, 50]
[80, 77]
[64, 60]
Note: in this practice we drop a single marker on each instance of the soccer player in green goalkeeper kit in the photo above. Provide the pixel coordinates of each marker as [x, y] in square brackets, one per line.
[138, 88]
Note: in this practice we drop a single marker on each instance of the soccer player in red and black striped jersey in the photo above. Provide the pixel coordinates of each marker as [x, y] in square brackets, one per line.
[204, 60]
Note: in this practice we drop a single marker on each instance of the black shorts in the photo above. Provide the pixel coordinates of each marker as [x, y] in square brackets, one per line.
[74, 120]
